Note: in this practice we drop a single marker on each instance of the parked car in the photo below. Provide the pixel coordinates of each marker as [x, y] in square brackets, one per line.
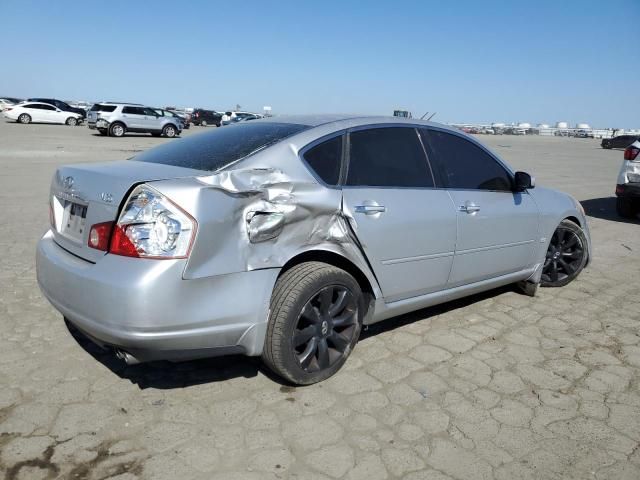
[38, 112]
[179, 117]
[233, 117]
[64, 106]
[117, 119]
[281, 238]
[583, 134]
[628, 185]
[203, 117]
[621, 141]
[8, 102]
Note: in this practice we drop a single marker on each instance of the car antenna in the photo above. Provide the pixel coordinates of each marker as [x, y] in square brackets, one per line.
[422, 117]
[434, 114]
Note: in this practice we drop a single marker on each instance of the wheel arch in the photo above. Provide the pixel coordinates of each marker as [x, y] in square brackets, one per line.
[367, 283]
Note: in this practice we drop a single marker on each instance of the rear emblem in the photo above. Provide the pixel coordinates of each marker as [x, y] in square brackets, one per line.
[106, 197]
[67, 183]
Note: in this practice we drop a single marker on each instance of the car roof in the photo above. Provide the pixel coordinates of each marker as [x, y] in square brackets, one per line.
[350, 120]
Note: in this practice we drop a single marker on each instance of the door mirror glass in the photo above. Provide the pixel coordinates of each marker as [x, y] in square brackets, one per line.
[523, 181]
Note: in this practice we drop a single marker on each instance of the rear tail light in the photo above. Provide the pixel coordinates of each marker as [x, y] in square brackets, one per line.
[99, 236]
[152, 226]
[631, 153]
[8, 108]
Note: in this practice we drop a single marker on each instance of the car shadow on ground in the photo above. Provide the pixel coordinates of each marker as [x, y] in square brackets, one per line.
[167, 375]
[605, 208]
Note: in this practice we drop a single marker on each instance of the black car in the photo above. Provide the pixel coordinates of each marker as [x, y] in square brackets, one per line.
[206, 117]
[621, 141]
[64, 106]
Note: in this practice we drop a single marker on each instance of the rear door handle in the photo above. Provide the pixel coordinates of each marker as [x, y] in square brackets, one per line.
[370, 209]
[469, 207]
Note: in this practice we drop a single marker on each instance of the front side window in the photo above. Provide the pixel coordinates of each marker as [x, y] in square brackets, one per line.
[387, 157]
[324, 159]
[464, 165]
[47, 107]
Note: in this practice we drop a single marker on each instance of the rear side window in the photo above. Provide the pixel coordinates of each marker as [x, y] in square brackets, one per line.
[324, 159]
[464, 165]
[387, 157]
[134, 110]
[218, 148]
[103, 108]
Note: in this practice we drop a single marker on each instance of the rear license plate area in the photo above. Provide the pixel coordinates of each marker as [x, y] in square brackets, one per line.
[72, 223]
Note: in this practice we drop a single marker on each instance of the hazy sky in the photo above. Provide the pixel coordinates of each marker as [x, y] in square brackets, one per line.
[480, 61]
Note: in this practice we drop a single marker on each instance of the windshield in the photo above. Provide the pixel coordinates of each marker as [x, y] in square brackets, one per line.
[214, 150]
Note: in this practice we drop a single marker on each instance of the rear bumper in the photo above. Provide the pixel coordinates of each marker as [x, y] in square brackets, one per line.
[628, 190]
[145, 308]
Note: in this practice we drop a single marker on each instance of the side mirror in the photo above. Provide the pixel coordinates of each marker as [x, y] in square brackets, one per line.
[523, 181]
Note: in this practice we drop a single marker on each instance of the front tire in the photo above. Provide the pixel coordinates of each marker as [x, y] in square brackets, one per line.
[72, 121]
[314, 323]
[566, 255]
[24, 118]
[626, 207]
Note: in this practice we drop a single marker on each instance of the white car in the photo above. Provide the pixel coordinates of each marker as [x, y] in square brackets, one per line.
[41, 113]
[628, 184]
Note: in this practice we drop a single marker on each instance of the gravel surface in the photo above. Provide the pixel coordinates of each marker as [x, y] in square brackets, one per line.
[498, 385]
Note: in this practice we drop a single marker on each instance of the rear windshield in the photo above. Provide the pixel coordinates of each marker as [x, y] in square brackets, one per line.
[103, 108]
[214, 150]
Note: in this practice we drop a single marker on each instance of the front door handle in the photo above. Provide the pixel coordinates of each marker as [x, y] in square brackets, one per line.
[370, 209]
[469, 207]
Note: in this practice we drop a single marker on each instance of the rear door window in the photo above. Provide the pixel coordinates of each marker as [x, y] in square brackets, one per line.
[463, 164]
[216, 149]
[325, 160]
[388, 157]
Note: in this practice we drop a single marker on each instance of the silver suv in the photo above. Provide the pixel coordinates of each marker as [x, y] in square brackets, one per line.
[116, 119]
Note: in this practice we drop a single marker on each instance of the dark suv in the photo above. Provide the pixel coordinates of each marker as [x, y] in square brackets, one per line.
[206, 117]
[64, 106]
[621, 141]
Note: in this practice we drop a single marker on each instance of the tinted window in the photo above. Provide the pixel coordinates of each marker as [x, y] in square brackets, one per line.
[30, 106]
[133, 110]
[389, 157]
[463, 164]
[324, 159]
[47, 107]
[220, 147]
[103, 108]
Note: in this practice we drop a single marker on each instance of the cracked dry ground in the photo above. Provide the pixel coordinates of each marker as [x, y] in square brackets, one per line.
[495, 386]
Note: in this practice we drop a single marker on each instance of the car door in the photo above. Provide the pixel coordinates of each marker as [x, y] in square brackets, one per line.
[134, 118]
[497, 227]
[406, 227]
[152, 120]
[43, 113]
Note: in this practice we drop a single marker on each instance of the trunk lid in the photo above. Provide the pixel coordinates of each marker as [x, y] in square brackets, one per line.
[85, 194]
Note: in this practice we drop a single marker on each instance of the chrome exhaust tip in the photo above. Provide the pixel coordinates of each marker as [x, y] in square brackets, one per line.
[127, 357]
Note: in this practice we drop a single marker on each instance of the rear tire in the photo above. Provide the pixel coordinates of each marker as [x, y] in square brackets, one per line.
[72, 121]
[566, 255]
[315, 320]
[24, 118]
[626, 207]
[117, 130]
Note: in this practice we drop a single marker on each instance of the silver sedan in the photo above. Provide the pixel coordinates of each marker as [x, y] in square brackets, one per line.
[282, 237]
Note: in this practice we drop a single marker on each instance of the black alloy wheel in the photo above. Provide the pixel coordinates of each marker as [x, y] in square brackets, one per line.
[325, 328]
[315, 320]
[566, 255]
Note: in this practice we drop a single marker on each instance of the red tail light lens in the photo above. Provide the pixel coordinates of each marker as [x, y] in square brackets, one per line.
[631, 153]
[99, 236]
[121, 244]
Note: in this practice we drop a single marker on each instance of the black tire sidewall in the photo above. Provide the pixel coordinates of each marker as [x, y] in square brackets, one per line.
[292, 370]
[568, 224]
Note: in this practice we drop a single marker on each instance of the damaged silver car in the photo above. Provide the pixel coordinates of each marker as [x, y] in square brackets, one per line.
[282, 237]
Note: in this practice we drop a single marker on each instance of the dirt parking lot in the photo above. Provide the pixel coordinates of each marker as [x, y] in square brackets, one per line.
[498, 385]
